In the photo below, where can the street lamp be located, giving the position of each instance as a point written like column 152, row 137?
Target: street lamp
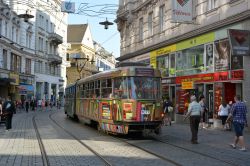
column 80, row 67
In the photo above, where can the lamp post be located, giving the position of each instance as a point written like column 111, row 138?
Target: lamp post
column 80, row 67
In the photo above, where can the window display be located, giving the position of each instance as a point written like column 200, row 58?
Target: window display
column 222, row 53
column 163, row 65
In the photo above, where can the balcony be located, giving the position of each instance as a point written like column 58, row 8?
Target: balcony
column 55, row 59
column 55, row 38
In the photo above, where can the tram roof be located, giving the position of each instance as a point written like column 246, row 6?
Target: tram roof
column 121, row 71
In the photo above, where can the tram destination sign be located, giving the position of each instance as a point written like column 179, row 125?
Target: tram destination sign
column 144, row 72
column 239, row 42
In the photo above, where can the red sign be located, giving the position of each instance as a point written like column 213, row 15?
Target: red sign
column 196, row 78
column 237, row 75
column 221, row 76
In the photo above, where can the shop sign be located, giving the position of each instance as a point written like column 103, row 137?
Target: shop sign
column 14, row 77
column 239, row 42
column 4, row 75
column 187, row 85
column 199, row 40
column 182, row 11
column 26, row 79
column 221, row 76
column 196, row 78
column 237, row 75
column 168, row 81
column 161, row 51
column 144, row 72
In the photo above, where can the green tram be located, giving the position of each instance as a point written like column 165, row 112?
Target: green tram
column 121, row 100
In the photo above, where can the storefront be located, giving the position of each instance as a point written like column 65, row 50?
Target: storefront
column 203, row 65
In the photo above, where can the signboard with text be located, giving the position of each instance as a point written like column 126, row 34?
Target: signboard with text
column 182, row 11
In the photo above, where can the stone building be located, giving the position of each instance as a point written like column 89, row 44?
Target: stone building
column 194, row 57
column 45, row 37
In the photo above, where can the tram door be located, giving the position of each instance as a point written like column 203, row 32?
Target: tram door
column 210, row 101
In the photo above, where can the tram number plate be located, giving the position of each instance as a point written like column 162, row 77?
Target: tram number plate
column 145, row 112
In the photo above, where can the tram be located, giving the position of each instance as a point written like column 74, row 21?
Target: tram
column 120, row 100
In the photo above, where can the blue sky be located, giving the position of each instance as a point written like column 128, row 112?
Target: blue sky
column 109, row 38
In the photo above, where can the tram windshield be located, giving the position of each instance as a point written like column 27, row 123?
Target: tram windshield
column 137, row 88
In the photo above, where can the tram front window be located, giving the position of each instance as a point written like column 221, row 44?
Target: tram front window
column 144, row 88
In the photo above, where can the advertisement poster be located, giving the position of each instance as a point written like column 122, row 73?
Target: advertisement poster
column 209, row 58
column 222, row 55
column 236, row 62
column 106, row 113
column 182, row 10
column 239, row 42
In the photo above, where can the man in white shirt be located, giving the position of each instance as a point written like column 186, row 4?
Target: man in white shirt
column 194, row 112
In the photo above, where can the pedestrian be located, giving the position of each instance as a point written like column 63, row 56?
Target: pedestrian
column 204, row 111
column 168, row 109
column 194, row 112
column 9, row 109
column 223, row 112
column 238, row 112
column 27, row 105
column 40, row 104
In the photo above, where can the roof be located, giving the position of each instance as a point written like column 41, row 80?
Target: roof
column 76, row 32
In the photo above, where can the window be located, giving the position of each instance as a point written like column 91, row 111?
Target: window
column 47, row 25
column 163, row 65
column 17, row 35
column 12, row 33
column 6, row 29
column 15, row 63
column 40, row 40
column 4, row 63
column 150, row 24
column 106, row 88
column 212, row 4
column 1, row 26
column 46, row 45
column 141, row 29
column 161, row 18
column 28, row 66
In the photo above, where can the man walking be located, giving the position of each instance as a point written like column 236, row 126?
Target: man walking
column 238, row 112
column 8, row 109
column 195, row 112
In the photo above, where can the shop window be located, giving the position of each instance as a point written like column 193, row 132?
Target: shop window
column 163, row 65
column 236, row 62
column 222, row 54
column 172, row 65
column 190, row 61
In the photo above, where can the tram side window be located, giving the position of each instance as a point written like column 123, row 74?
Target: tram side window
column 92, row 90
column 85, row 90
column 97, row 88
column 121, row 88
column 106, row 89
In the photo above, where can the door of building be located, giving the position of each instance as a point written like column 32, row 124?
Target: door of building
column 209, row 101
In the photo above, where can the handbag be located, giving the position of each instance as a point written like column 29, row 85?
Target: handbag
column 170, row 109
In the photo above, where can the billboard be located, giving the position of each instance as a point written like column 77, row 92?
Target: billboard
column 182, row 10
column 68, row 7
column 239, row 42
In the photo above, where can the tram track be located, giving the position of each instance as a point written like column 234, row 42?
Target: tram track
column 45, row 158
column 78, row 140
column 150, row 152
column 196, row 152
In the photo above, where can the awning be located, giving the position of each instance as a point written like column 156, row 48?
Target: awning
column 26, row 87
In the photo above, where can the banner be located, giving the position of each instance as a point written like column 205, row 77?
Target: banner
column 182, row 10
column 239, row 42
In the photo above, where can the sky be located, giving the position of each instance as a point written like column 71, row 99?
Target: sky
column 108, row 38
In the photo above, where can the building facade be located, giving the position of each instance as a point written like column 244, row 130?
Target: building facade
column 80, row 53
column 46, row 36
column 104, row 59
column 17, row 77
column 194, row 58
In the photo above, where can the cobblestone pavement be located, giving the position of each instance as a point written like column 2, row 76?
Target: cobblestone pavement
column 19, row 146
